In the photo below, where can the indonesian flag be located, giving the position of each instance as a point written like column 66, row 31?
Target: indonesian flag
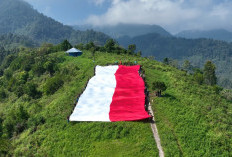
column 115, row 93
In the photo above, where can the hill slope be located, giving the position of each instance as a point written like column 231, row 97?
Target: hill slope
column 217, row 34
column 18, row 17
column 193, row 120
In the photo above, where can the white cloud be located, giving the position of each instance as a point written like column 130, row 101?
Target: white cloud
column 175, row 15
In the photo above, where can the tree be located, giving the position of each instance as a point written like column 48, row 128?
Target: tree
column 65, row 45
column 174, row 63
column 166, row 61
column 209, row 73
column 159, row 86
column 90, row 45
column 80, row 46
column 1, row 128
column 110, row 45
column 139, row 53
column 50, row 66
column 198, row 76
column 3, row 94
column 31, row 90
column 186, row 65
column 52, row 85
column 131, row 48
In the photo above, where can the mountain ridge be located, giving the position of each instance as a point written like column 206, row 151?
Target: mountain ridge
column 131, row 30
column 216, row 34
column 19, row 17
column 197, row 51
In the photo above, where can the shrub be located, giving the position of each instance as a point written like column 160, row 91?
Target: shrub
column 15, row 121
column 159, row 86
column 1, row 130
column 198, row 77
column 226, row 93
column 3, row 94
column 52, row 85
column 31, row 90
column 38, row 68
column 35, row 121
column 217, row 89
column 50, row 66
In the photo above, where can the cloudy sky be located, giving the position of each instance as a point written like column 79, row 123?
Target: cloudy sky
column 173, row 15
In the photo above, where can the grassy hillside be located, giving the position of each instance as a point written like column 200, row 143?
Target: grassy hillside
column 46, row 131
column 38, row 90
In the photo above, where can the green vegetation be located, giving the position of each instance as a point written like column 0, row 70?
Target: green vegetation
column 39, row 88
column 159, row 87
column 18, row 17
column 193, row 119
column 196, row 51
column 209, row 73
column 34, row 121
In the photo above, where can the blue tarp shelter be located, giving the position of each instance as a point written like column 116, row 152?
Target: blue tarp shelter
column 74, row 52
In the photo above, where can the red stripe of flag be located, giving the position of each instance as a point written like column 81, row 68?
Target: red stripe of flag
column 129, row 98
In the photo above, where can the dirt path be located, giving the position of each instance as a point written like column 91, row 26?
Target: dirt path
column 155, row 133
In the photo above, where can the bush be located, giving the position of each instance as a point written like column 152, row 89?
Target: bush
column 3, row 94
column 15, row 121
column 38, row 68
column 217, row 89
column 198, row 77
column 226, row 93
column 50, row 67
column 31, row 90
column 1, row 129
column 35, row 121
column 159, row 86
column 52, row 85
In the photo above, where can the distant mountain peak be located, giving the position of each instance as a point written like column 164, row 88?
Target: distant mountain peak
column 130, row 30
column 19, row 17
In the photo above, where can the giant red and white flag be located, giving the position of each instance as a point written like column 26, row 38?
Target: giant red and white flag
column 115, row 93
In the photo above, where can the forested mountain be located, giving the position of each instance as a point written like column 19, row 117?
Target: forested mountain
column 18, row 17
column 197, row 51
column 10, row 43
column 217, row 34
column 39, row 87
column 130, row 30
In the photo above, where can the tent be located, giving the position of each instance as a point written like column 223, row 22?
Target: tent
column 74, row 52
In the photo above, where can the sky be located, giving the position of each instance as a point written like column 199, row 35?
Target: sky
column 172, row 15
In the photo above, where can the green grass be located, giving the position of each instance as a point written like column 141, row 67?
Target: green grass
column 56, row 137
column 192, row 119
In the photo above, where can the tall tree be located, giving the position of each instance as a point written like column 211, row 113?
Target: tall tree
column 209, row 73
column 110, row 45
column 166, row 61
column 186, row 65
column 65, row 45
column 131, row 49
